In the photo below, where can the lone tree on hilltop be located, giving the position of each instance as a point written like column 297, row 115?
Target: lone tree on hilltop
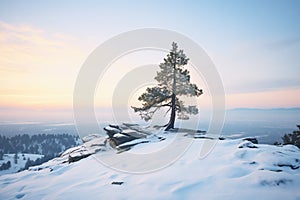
column 173, row 82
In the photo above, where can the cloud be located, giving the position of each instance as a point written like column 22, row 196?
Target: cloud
column 24, row 34
column 24, row 46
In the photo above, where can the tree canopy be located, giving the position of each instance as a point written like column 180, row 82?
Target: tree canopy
column 173, row 82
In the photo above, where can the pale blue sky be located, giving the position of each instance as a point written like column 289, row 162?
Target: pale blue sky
column 257, row 39
column 238, row 19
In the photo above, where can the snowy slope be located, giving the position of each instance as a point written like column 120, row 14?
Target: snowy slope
column 235, row 169
column 21, row 161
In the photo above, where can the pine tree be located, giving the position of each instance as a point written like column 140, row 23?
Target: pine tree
column 173, row 81
column 8, row 165
column 292, row 138
column 16, row 158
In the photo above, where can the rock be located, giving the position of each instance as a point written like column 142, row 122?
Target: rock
column 129, row 124
column 200, row 131
column 111, row 131
column 276, row 182
column 253, row 163
column 120, row 135
column 115, row 126
column 119, row 139
column 117, row 182
column 134, row 134
column 253, row 140
column 203, row 137
column 247, row 144
column 77, row 158
column 293, row 167
column 92, row 144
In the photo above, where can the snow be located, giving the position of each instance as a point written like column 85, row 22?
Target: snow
column 233, row 170
column 114, row 130
column 21, row 161
column 119, row 135
column 93, row 144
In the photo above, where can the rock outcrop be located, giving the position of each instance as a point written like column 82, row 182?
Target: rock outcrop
column 119, row 135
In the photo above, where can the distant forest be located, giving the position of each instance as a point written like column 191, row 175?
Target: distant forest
column 48, row 145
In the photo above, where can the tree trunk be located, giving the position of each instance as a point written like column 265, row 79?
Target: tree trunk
column 173, row 113
column 173, row 101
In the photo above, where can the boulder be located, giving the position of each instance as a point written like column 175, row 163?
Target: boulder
column 119, row 135
column 247, row 144
column 111, row 131
column 253, row 140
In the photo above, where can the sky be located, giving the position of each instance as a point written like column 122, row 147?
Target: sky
column 254, row 45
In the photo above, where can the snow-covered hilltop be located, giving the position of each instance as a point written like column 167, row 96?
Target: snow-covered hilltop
column 235, row 169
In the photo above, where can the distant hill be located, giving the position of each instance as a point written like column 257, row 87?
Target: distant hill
column 291, row 116
column 266, row 109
